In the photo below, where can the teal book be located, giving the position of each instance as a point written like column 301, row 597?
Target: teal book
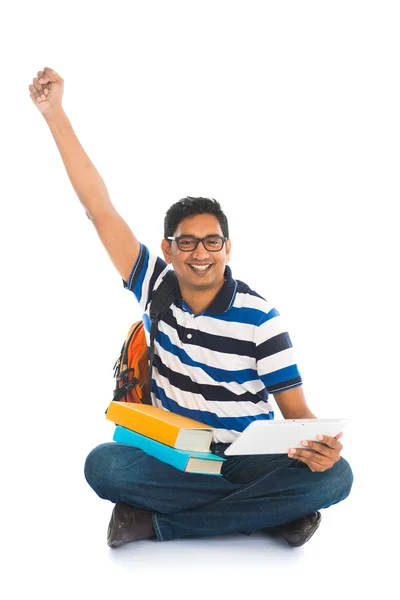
column 206, row 463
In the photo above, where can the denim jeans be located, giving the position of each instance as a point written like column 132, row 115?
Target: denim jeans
column 255, row 492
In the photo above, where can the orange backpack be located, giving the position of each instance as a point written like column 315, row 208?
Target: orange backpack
column 134, row 364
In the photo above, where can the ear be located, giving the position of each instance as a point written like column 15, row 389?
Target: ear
column 166, row 249
column 228, row 249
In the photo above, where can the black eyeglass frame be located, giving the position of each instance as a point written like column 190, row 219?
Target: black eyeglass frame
column 198, row 240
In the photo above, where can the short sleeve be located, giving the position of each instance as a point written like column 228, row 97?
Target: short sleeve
column 276, row 365
column 146, row 274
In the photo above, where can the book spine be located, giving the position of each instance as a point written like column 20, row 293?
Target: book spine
column 152, row 447
column 143, row 423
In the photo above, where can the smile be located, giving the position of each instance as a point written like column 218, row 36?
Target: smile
column 200, row 268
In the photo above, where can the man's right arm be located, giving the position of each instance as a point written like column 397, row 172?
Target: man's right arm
column 116, row 236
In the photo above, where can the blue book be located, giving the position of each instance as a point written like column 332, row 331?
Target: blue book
column 184, row 460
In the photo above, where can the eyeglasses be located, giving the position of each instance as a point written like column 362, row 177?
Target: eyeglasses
column 188, row 243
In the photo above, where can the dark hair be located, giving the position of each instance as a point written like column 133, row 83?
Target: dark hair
column 189, row 207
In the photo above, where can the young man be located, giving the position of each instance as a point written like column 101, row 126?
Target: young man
column 219, row 352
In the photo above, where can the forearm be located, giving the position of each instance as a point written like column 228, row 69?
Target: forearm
column 86, row 181
column 292, row 404
column 307, row 414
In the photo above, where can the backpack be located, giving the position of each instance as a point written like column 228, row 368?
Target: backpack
column 134, row 365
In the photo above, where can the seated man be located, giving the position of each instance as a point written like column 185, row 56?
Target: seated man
column 220, row 351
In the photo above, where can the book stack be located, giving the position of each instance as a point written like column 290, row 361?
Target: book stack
column 176, row 440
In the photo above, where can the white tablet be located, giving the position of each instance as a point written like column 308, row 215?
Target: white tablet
column 276, row 437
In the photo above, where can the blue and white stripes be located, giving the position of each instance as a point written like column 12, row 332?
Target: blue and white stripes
column 220, row 366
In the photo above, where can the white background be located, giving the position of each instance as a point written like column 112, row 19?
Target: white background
column 288, row 114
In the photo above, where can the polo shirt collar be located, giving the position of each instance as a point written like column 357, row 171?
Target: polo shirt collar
column 223, row 300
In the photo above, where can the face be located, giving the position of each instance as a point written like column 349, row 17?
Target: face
column 184, row 263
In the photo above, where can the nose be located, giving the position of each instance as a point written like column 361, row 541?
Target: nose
column 200, row 253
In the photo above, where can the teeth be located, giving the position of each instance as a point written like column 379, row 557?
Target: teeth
column 200, row 267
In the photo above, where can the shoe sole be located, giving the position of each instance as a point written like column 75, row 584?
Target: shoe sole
column 111, row 531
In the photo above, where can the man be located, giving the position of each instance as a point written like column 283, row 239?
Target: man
column 219, row 352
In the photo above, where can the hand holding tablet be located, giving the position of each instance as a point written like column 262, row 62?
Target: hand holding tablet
column 278, row 437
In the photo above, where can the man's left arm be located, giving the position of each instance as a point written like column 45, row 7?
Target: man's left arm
column 318, row 456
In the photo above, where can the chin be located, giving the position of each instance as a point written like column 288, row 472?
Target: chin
column 201, row 285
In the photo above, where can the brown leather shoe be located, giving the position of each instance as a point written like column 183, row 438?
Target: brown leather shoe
column 129, row 524
column 299, row 532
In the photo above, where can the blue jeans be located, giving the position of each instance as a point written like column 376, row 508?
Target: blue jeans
column 255, row 492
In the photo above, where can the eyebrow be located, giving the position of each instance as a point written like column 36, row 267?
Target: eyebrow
column 198, row 236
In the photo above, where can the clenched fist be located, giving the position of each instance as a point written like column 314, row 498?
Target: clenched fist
column 47, row 90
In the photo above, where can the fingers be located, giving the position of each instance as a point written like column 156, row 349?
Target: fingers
column 40, row 75
column 46, row 90
column 314, row 465
column 314, row 460
column 49, row 75
column 318, row 456
column 41, row 85
column 36, row 95
column 323, row 448
column 312, row 455
column 39, row 89
column 332, row 442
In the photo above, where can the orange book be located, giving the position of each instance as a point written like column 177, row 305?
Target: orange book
column 159, row 424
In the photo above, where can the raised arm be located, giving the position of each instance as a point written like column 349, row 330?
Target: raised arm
column 119, row 241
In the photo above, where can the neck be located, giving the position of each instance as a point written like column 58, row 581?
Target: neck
column 199, row 300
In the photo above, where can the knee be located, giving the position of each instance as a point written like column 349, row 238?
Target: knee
column 346, row 476
column 107, row 466
column 341, row 480
column 98, row 463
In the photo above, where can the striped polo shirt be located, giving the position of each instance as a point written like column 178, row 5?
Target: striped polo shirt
column 220, row 366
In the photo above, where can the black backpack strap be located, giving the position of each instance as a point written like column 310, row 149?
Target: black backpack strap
column 163, row 297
